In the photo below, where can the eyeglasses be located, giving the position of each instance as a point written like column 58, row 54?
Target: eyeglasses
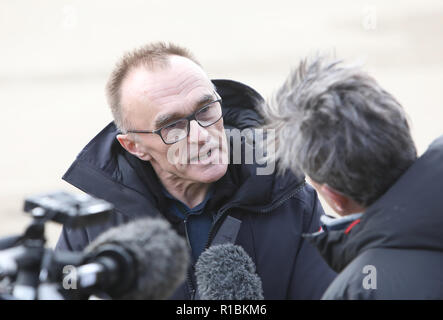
column 178, row 130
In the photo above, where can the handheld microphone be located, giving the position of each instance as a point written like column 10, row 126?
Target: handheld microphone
column 226, row 272
column 144, row 259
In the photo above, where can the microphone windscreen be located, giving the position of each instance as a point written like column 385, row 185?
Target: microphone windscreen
column 161, row 256
column 226, row 272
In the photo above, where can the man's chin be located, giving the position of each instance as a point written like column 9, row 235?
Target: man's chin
column 208, row 173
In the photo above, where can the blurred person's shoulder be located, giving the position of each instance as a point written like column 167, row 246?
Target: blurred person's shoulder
column 389, row 273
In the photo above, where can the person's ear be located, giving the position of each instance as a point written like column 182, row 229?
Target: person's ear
column 133, row 147
column 336, row 200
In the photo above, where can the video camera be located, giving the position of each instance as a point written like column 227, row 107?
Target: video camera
column 29, row 270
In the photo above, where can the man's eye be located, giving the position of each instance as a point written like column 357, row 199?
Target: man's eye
column 204, row 110
column 181, row 124
column 172, row 126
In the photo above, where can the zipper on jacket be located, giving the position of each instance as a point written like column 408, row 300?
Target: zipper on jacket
column 280, row 202
column 186, row 233
column 189, row 275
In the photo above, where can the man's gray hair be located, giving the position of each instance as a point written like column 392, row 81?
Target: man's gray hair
column 338, row 126
column 151, row 55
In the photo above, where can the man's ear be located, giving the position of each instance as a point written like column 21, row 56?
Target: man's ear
column 333, row 198
column 133, row 147
column 338, row 201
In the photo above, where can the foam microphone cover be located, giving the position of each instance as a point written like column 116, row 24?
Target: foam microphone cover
column 227, row 272
column 161, row 256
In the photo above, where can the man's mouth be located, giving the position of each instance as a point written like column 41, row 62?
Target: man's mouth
column 202, row 157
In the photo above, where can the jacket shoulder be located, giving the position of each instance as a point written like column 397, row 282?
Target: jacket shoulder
column 351, row 284
column 390, row 273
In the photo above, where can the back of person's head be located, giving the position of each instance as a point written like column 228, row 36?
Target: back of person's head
column 338, row 126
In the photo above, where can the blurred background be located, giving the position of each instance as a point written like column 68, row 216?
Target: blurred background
column 56, row 56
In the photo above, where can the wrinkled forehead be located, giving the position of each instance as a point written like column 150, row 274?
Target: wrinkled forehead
column 147, row 94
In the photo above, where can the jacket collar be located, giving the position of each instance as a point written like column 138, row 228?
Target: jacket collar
column 329, row 223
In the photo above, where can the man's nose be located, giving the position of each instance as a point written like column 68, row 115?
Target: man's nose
column 197, row 134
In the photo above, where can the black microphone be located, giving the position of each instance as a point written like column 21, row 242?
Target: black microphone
column 144, row 259
column 226, row 272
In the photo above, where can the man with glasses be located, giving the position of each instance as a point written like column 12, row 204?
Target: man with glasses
column 167, row 153
column 358, row 151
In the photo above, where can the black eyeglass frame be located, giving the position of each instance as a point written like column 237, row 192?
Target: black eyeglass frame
column 188, row 118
